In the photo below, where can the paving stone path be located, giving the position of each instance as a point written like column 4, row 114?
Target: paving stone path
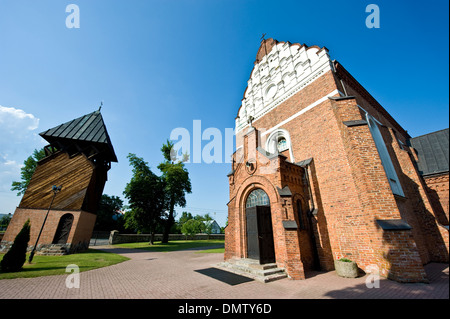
column 191, row 275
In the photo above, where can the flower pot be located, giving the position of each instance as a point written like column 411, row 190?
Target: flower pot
column 347, row 269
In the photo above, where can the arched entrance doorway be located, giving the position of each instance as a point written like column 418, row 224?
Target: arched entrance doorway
column 259, row 230
column 63, row 230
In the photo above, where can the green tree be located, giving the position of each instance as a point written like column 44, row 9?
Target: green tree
column 207, row 221
column 202, row 224
column 177, row 184
column 222, row 229
column 192, row 227
column 26, row 172
column 16, row 255
column 129, row 221
column 146, row 197
column 207, row 217
column 108, row 213
column 4, row 221
column 185, row 216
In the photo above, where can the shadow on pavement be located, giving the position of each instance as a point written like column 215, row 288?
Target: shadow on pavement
column 224, row 276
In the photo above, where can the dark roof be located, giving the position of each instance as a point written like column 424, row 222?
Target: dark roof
column 305, row 162
column 285, row 191
column 87, row 129
column 393, row 224
column 432, row 151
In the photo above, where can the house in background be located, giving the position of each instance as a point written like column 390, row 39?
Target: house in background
column 215, row 228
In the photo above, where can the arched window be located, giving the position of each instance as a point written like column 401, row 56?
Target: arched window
column 279, row 141
column 386, row 160
column 258, row 197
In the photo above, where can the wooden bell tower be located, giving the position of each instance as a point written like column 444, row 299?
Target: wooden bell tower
column 78, row 158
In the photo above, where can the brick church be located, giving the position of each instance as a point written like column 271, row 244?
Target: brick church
column 322, row 171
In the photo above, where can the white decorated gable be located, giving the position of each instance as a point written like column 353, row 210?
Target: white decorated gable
column 282, row 72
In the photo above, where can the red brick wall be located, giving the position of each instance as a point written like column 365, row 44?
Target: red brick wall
column 349, row 186
column 81, row 231
column 438, row 192
column 268, row 175
column 416, row 207
column 437, row 188
column 375, row 246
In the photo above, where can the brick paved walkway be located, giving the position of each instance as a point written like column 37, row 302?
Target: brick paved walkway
column 175, row 275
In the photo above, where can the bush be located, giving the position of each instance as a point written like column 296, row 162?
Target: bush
column 345, row 260
column 192, row 227
column 16, row 256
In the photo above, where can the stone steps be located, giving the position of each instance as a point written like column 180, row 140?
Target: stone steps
column 54, row 250
column 252, row 269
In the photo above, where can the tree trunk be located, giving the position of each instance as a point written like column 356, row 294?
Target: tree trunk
column 152, row 237
column 169, row 223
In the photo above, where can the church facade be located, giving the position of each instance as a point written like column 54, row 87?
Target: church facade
column 322, row 171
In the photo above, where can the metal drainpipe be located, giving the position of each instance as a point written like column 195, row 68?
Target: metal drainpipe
column 309, row 188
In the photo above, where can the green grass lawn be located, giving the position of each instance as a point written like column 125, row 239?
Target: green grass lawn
column 212, row 251
column 92, row 258
column 56, row 265
column 217, row 246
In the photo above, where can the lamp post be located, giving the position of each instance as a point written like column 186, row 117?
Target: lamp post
column 55, row 189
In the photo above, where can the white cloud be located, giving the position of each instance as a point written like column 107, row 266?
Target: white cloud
column 18, row 139
column 12, row 119
column 17, row 131
column 9, row 171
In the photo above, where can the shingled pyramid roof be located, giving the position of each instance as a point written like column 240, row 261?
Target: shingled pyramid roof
column 432, row 151
column 89, row 129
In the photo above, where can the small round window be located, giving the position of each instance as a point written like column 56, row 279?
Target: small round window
column 271, row 91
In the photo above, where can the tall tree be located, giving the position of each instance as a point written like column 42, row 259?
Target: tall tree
column 16, row 255
column 145, row 194
column 27, row 170
column 177, row 184
column 185, row 216
column 108, row 212
column 4, row 221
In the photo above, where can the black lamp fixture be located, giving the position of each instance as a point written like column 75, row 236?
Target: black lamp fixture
column 55, row 189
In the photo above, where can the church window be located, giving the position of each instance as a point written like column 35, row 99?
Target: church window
column 282, row 144
column 385, row 157
column 258, row 197
column 278, row 141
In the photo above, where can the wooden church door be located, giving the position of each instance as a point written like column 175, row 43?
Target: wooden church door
column 252, row 233
column 63, row 230
column 259, row 231
column 265, row 235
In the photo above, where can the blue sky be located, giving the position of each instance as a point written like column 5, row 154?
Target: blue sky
column 159, row 65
